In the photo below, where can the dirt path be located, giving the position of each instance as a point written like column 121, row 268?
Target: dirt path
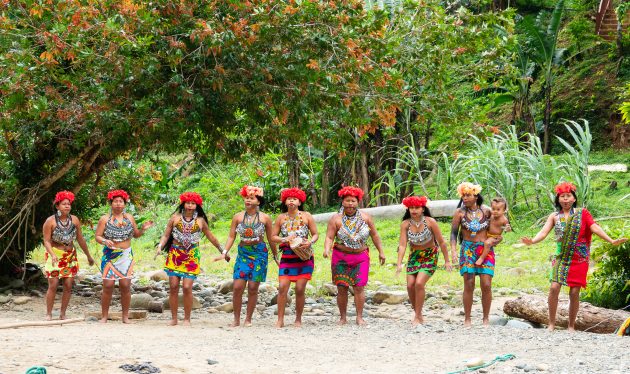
column 388, row 345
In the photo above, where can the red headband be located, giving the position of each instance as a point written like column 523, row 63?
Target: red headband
column 292, row 192
column 413, row 201
column 565, row 187
column 118, row 193
column 191, row 196
column 64, row 195
column 351, row 191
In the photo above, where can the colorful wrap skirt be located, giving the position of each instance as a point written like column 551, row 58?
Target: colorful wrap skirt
column 468, row 255
column 66, row 266
column 570, row 269
column 182, row 262
column 423, row 260
column 350, row 269
column 292, row 267
column 251, row 262
column 117, row 263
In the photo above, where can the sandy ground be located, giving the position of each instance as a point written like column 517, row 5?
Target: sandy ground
column 387, row 345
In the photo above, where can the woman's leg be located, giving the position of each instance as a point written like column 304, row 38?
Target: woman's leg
column 173, row 298
column 125, row 298
column 65, row 297
column 106, row 298
column 53, row 283
column 283, row 291
column 188, row 299
column 552, row 301
column 300, row 297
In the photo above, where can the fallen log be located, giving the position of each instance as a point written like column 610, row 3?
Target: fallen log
column 40, row 323
column 590, row 318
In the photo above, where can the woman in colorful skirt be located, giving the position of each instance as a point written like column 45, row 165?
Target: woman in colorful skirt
column 470, row 225
column 346, row 236
column 181, row 240
column 291, row 230
column 574, row 229
column 422, row 233
column 250, row 267
column 60, row 232
column 115, row 231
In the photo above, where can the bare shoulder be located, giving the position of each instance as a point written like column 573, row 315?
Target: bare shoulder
column 431, row 220
column 75, row 220
column 366, row 217
column 50, row 220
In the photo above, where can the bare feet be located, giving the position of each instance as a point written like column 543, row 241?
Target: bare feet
column 172, row 322
column 467, row 323
column 342, row 321
column 297, row 324
column 571, row 329
column 48, row 317
column 417, row 321
column 235, row 324
column 551, row 327
column 103, row 320
column 486, row 322
column 361, row 321
column 279, row 324
column 62, row 316
column 126, row 320
column 247, row 323
column 186, row 322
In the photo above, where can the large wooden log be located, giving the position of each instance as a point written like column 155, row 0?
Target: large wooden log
column 590, row 318
column 117, row 316
column 439, row 208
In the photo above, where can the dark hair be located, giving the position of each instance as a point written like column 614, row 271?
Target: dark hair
column 425, row 212
column 500, row 200
column 261, row 201
column 284, row 208
column 479, row 201
column 556, row 201
column 180, row 210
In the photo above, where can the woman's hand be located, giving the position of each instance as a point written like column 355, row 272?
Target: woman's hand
column 381, row 258
column 619, row 241
column 90, row 260
column 399, row 269
column 108, row 243
column 147, row 225
column 527, row 241
column 448, row 267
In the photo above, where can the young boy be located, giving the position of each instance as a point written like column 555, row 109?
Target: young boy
column 498, row 223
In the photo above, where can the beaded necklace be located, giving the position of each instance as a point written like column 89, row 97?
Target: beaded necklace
column 250, row 228
column 294, row 225
column 354, row 231
column 561, row 223
column 187, row 232
column 118, row 231
column 474, row 220
column 64, row 233
column 420, row 237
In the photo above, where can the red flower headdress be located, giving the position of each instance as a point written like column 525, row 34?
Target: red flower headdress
column 118, row 193
column 63, row 195
column 565, row 187
column 351, row 191
column 292, row 192
column 191, row 196
column 251, row 190
column 412, row 201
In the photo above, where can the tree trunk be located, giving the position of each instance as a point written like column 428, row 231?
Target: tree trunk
column 364, row 181
column 590, row 318
column 547, row 119
column 293, row 164
column 324, row 196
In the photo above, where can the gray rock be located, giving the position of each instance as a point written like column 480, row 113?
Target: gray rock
column 390, row 297
column 498, row 321
column 328, row 289
column 519, row 324
column 196, row 302
column 226, row 286
column 16, row 283
column 542, row 367
column 212, row 362
column 20, row 300
column 517, row 272
column 309, row 301
column 274, row 300
column 158, row 275
column 158, row 294
column 37, row 293
column 141, row 301
column 4, row 299
column 227, row 307
column 141, row 287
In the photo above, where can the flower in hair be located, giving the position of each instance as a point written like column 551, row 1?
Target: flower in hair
column 565, row 187
column 413, row 201
column 251, row 191
column 351, row 191
column 63, row 195
column 466, row 188
column 191, row 196
column 293, row 192
column 118, row 193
